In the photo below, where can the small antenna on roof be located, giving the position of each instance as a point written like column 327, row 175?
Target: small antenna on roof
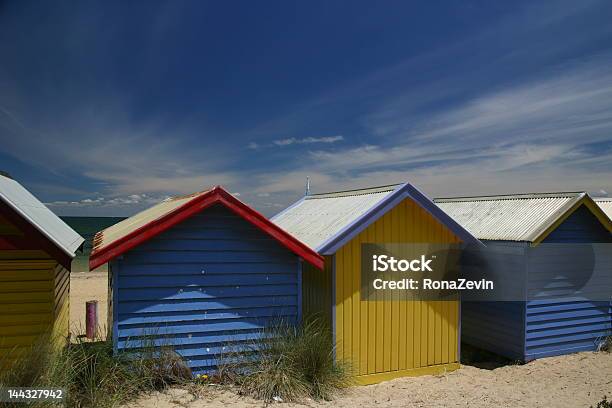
column 307, row 185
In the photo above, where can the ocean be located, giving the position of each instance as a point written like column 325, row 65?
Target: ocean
column 87, row 228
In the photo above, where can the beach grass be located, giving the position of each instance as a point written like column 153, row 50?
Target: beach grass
column 293, row 363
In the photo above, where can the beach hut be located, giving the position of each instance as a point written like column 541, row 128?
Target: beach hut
column 202, row 273
column 555, row 248
column 36, row 249
column 605, row 203
column 380, row 338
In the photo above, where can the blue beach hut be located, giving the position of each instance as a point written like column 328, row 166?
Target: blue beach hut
column 555, row 247
column 199, row 273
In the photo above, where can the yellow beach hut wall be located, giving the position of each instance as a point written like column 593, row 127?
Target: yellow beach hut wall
column 34, row 274
column 386, row 338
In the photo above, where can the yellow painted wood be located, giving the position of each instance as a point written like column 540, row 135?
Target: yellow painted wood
column 25, row 319
column 386, row 338
column 24, row 329
column 387, row 317
column 371, row 316
column 7, row 343
column 23, row 255
column 380, row 316
column 27, row 286
column 414, row 372
column 34, row 301
column 24, row 308
column 19, row 275
column 26, row 297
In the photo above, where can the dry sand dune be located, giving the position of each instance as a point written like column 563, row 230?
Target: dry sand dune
column 573, row 381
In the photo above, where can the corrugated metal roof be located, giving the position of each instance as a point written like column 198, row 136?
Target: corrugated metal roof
column 328, row 221
column 517, row 217
column 605, row 204
column 39, row 216
column 318, row 217
column 127, row 226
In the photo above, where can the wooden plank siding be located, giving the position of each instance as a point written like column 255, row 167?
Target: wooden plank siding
column 386, row 338
column 548, row 322
column 498, row 326
column 34, row 293
column 554, row 325
column 206, row 286
column 317, row 292
column 26, row 299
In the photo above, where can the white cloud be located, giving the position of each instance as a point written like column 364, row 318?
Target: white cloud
column 308, row 140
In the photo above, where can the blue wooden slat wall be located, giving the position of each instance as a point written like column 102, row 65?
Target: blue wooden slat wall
column 556, row 325
column 497, row 326
column 208, row 285
column 550, row 323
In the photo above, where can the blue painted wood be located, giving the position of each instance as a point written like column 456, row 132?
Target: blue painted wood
column 194, row 305
column 556, row 270
column 195, row 340
column 114, row 271
column 211, row 268
column 553, row 320
column 211, row 282
column 581, row 226
column 212, row 292
column 170, row 317
column 299, row 290
column 496, row 326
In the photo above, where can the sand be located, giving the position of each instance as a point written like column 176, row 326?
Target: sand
column 572, row 381
column 86, row 286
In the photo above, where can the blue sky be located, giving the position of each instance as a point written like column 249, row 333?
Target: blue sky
column 108, row 108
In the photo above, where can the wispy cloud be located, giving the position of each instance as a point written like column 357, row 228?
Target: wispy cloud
column 298, row 141
column 308, row 140
column 130, row 201
column 521, row 105
column 546, row 133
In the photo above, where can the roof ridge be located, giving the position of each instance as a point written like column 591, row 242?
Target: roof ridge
column 183, row 196
column 141, row 230
column 524, row 196
column 357, row 191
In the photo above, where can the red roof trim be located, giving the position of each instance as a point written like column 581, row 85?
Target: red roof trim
column 100, row 256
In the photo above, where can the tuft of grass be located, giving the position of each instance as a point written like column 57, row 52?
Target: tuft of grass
column 287, row 363
column 90, row 373
column 606, row 345
column 604, row 403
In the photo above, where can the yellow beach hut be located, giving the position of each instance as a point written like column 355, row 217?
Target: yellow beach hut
column 36, row 249
column 381, row 339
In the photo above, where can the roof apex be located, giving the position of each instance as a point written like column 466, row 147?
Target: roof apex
column 147, row 224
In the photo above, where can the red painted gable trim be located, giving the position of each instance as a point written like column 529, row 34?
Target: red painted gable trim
column 100, row 256
column 33, row 239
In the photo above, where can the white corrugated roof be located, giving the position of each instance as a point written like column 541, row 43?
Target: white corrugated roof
column 125, row 227
column 518, row 217
column 318, row 217
column 605, row 204
column 37, row 214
